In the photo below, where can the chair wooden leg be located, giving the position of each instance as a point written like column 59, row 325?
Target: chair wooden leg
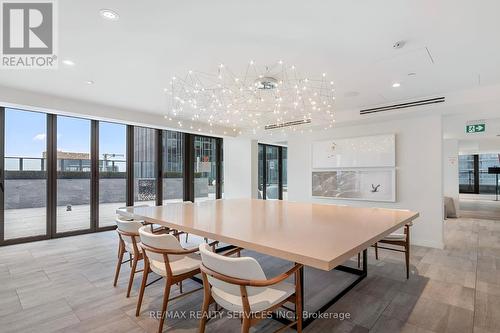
column 166, row 295
column 298, row 300
column 245, row 325
column 407, row 259
column 132, row 274
column 180, row 287
column 206, row 304
column 187, row 235
column 145, row 274
column 376, row 251
column 407, row 251
column 118, row 264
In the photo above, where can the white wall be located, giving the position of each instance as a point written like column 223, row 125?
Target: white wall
column 419, row 170
column 239, row 165
column 450, row 170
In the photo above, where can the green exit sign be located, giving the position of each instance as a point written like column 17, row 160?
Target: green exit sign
column 476, row 128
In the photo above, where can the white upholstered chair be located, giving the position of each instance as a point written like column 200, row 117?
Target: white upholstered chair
column 164, row 255
column 128, row 232
column 240, row 285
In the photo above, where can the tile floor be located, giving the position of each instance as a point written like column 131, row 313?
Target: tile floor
column 65, row 285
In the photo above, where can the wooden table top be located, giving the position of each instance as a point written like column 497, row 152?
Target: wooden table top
column 316, row 235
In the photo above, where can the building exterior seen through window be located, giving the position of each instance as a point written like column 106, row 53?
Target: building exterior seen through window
column 473, row 173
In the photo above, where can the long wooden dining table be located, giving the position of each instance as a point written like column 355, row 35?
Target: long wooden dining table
column 320, row 236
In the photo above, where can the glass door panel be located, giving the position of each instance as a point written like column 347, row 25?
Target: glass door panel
column 260, row 190
column 205, row 168
column 73, row 174
column 284, row 167
column 144, row 166
column 466, row 173
column 173, row 166
column 112, row 171
column 25, row 175
column 272, row 173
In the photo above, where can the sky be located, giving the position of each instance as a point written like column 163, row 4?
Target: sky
column 25, row 135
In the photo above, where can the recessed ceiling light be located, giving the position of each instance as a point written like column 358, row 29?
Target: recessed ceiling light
column 110, row 15
column 90, row 82
column 68, row 63
column 396, row 85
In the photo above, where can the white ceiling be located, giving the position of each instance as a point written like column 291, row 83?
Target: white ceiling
column 450, row 44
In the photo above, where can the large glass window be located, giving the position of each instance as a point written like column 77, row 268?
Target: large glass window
column 473, row 173
column 173, row 166
column 25, row 185
column 112, row 171
column 144, row 166
column 56, row 182
column 487, row 181
column 205, row 168
column 73, row 174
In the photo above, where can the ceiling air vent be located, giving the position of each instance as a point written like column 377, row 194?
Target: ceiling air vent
column 403, row 105
column 288, row 123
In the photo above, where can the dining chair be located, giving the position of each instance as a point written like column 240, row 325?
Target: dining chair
column 239, row 285
column 396, row 239
column 164, row 255
column 128, row 233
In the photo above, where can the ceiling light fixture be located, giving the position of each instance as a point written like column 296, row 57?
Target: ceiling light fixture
column 110, row 15
column 90, row 82
column 68, row 62
column 396, row 85
column 266, row 83
column 262, row 94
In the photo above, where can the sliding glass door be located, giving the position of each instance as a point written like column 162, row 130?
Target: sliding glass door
column 112, row 171
column 272, row 172
column 25, row 174
column 73, row 174
column 205, row 168
column 173, row 166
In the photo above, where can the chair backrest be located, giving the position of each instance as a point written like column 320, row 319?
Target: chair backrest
column 243, row 268
column 129, row 226
column 162, row 242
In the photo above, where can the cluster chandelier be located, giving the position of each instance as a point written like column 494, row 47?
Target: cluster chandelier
column 259, row 98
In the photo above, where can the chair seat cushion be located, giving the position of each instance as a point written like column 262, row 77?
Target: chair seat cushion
column 395, row 237
column 187, row 264
column 262, row 301
column 130, row 248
